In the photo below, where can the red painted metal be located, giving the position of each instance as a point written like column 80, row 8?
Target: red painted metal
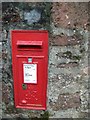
column 30, row 52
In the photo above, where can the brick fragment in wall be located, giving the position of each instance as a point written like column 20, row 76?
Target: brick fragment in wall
column 83, row 115
column 66, row 65
column 62, row 86
column 68, row 114
column 66, row 101
column 70, row 14
column 0, row 9
column 0, row 19
column 0, row 34
column 23, row 0
column 0, row 60
column 0, row 93
column 85, row 71
column 5, row 93
column 65, row 40
column 0, row 49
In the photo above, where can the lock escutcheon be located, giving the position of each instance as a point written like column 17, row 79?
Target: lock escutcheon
column 24, row 86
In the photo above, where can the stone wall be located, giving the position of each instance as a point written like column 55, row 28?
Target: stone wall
column 67, row 24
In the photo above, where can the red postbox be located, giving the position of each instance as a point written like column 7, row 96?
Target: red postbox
column 30, row 68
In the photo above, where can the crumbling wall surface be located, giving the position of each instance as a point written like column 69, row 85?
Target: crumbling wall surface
column 0, row 65
column 67, row 24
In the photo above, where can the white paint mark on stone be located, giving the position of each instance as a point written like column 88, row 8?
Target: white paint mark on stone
column 32, row 16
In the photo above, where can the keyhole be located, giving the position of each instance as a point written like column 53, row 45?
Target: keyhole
column 24, row 86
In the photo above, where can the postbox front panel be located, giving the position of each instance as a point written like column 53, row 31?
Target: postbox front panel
column 30, row 66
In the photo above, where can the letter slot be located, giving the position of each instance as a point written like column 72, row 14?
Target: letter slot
column 29, row 44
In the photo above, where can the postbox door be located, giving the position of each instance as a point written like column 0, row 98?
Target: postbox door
column 30, row 77
column 31, row 93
